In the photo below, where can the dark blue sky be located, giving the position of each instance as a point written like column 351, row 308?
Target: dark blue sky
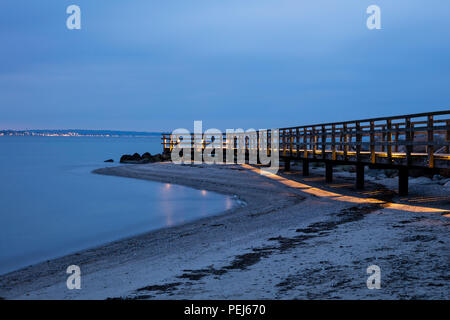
column 158, row 65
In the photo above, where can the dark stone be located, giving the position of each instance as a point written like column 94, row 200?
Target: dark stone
column 157, row 158
column 109, row 160
column 147, row 155
column 146, row 158
column 390, row 173
column 136, row 157
column 126, row 158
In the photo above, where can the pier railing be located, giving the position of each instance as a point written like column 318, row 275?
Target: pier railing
column 409, row 140
column 413, row 140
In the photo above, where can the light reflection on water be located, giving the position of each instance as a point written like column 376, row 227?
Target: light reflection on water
column 51, row 203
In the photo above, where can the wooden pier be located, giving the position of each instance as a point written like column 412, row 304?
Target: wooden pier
column 406, row 142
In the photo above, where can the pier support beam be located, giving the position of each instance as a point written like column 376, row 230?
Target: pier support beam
column 359, row 176
column 328, row 172
column 287, row 165
column 403, row 181
column 305, row 168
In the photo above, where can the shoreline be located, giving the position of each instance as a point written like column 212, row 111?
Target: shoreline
column 237, row 253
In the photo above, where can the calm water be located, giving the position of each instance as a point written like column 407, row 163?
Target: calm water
column 51, row 204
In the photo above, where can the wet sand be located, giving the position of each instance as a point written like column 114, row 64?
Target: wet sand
column 281, row 242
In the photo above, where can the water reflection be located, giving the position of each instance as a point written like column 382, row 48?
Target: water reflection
column 49, row 182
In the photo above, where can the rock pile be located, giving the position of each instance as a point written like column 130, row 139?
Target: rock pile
column 145, row 158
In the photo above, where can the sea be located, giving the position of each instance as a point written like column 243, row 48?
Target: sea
column 51, row 204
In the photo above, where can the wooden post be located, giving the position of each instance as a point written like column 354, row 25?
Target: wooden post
column 165, row 143
column 409, row 140
column 389, row 140
column 396, row 126
column 359, row 176
column 345, row 140
column 372, row 142
column 403, row 181
column 447, row 137
column 333, row 142
column 430, row 146
column 350, row 138
column 328, row 171
column 305, row 140
column 287, row 164
column 358, row 141
column 324, row 140
column 305, row 167
column 291, row 142
column 313, row 137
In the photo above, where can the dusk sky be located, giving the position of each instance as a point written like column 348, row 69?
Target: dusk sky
column 159, row 65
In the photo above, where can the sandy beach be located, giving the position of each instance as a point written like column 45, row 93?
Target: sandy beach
column 287, row 237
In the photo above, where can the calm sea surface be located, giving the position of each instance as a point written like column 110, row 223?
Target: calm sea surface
column 51, row 204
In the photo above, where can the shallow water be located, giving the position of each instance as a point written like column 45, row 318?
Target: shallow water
column 51, row 204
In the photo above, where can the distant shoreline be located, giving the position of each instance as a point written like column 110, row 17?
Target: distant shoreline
column 79, row 133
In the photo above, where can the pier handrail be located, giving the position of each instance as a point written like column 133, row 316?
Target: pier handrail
column 411, row 140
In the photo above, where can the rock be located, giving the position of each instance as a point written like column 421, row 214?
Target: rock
column 147, row 155
column 418, row 172
column 390, row 173
column 372, row 172
column 135, row 158
column 145, row 158
column 109, row 160
column 421, row 180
